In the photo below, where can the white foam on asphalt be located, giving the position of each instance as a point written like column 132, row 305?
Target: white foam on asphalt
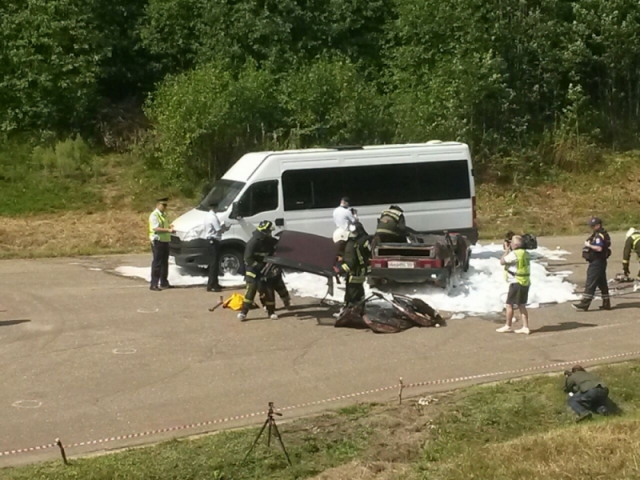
column 481, row 290
column 181, row 277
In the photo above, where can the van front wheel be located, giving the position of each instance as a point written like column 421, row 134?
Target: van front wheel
column 231, row 262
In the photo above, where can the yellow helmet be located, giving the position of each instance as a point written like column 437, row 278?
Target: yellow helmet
column 266, row 226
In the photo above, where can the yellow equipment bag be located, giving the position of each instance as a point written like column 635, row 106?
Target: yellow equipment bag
column 234, row 302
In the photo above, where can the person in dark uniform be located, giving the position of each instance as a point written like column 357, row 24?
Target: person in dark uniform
column 631, row 244
column 274, row 280
column 596, row 251
column 355, row 264
column 160, row 231
column 589, row 392
column 391, row 226
column 258, row 247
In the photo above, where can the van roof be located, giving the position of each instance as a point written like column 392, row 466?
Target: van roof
column 248, row 163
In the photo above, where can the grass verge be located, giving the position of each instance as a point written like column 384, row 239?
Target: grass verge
column 518, row 429
column 564, row 204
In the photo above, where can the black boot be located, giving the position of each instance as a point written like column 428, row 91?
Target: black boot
column 582, row 305
column 606, row 304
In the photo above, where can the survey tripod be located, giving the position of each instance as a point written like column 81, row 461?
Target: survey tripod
column 273, row 430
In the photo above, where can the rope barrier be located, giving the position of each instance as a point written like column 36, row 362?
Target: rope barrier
column 261, row 414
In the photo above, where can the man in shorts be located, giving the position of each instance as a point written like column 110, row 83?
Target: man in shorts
column 517, row 263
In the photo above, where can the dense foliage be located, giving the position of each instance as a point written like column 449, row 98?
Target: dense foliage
column 530, row 84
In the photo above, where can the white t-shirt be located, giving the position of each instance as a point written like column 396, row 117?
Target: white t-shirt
column 511, row 262
column 212, row 227
column 343, row 217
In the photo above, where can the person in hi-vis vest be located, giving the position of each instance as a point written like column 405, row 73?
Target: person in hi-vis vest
column 517, row 263
column 160, row 231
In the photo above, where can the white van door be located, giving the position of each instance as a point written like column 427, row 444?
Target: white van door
column 260, row 201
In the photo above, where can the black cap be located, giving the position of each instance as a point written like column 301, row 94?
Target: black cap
column 595, row 221
column 345, row 199
column 162, row 200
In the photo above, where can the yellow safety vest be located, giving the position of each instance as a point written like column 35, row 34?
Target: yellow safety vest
column 164, row 223
column 523, row 268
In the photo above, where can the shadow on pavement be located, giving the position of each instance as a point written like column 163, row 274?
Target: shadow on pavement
column 622, row 306
column 563, row 326
column 8, row 323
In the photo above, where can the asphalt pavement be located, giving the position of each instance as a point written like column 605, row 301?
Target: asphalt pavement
column 88, row 355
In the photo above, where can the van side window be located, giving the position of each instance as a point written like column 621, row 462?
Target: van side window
column 376, row 184
column 259, row 197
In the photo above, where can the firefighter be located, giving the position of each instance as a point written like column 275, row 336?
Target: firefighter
column 391, row 226
column 631, row 244
column 273, row 283
column 596, row 251
column 259, row 246
column 355, row 264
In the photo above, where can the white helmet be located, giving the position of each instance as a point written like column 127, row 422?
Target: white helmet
column 630, row 232
column 340, row 235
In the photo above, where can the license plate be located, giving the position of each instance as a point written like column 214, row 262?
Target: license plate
column 402, row 265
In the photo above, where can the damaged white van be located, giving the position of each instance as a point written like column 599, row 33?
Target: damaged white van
column 299, row 189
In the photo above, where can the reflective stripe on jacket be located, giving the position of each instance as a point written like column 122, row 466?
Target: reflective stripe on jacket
column 164, row 223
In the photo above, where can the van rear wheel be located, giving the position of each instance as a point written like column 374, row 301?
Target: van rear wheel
column 231, row 261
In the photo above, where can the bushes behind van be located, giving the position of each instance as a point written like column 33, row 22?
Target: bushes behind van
column 207, row 118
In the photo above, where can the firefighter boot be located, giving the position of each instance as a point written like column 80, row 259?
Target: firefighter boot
column 606, row 304
column 582, row 305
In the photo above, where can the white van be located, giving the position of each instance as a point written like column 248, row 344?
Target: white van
column 299, row 189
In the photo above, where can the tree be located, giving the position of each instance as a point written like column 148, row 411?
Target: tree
column 49, row 65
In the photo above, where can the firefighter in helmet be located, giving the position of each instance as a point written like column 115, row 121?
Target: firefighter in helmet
column 260, row 245
column 355, row 264
column 391, row 226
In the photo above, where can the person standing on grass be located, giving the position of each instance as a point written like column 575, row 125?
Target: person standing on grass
column 160, row 231
column 213, row 230
column 517, row 263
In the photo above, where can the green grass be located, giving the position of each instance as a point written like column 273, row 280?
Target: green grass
column 518, row 429
column 71, row 176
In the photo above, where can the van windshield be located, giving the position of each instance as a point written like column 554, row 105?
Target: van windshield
column 223, row 193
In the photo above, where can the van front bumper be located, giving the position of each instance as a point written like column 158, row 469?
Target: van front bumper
column 189, row 254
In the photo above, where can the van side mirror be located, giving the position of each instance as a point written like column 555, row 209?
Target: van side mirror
column 235, row 211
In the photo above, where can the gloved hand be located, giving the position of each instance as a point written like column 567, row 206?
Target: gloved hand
column 625, row 269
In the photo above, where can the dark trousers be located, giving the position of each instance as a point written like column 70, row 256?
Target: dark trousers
column 588, row 401
column 160, row 263
column 276, row 285
column 214, row 267
column 250, row 291
column 354, row 293
column 596, row 279
column 268, row 295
